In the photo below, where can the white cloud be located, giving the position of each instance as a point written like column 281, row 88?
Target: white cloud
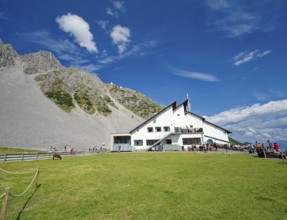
column 141, row 49
column 121, row 37
column 197, row 75
column 244, row 57
column 112, row 12
column 236, row 18
column 257, row 122
column 119, row 5
column 79, row 29
column 103, row 24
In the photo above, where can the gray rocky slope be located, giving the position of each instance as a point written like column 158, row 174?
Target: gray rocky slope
column 32, row 114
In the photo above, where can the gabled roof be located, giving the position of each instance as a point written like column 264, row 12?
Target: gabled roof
column 203, row 119
column 173, row 105
column 184, row 103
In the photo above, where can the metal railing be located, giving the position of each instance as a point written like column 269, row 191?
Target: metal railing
column 35, row 156
column 188, row 130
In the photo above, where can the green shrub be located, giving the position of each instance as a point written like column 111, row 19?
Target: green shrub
column 63, row 99
column 84, row 102
column 103, row 108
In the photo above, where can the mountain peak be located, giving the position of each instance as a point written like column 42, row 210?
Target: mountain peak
column 40, row 62
column 7, row 55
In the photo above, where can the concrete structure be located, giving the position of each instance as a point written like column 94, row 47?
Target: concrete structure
column 173, row 128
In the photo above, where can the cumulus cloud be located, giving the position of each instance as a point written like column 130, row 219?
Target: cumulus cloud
column 245, row 56
column 121, row 37
column 79, row 29
column 257, row 122
column 237, row 18
column 197, row 75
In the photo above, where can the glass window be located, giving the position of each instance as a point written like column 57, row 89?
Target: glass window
column 138, row 142
column 166, row 129
column 191, row 141
column 150, row 142
column 150, row 129
column 158, row 129
column 168, row 141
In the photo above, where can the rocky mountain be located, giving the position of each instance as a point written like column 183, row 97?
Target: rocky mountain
column 45, row 104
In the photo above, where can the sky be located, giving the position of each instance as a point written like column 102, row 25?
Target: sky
column 228, row 56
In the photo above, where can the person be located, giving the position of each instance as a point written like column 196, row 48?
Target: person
column 270, row 146
column 276, row 147
column 258, row 147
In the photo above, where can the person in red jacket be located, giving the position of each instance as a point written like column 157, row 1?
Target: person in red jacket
column 276, row 147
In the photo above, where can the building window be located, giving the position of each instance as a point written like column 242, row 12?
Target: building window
column 150, row 142
column 191, row 141
column 122, row 139
column 158, row 129
column 150, row 129
column 166, row 129
column 138, row 142
column 168, row 141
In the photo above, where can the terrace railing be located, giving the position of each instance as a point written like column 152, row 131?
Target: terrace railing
column 188, row 130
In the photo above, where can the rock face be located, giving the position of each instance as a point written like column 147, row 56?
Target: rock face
column 7, row 55
column 45, row 104
column 40, row 62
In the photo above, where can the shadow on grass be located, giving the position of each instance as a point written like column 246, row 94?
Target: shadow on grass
column 30, row 197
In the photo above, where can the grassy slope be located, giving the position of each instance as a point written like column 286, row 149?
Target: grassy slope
column 151, row 186
column 10, row 150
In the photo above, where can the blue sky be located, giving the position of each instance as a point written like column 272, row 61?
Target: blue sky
column 228, row 55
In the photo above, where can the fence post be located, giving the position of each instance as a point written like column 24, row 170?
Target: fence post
column 4, row 204
column 37, row 177
column 5, row 157
column 22, row 156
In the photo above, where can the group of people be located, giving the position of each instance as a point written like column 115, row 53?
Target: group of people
column 268, row 148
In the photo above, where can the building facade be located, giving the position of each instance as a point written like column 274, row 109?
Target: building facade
column 173, row 128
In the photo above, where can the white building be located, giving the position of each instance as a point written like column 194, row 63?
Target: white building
column 172, row 128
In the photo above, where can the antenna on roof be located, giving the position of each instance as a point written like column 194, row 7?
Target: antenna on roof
column 188, row 107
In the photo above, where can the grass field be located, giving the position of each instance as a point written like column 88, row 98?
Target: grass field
column 10, row 150
column 150, row 186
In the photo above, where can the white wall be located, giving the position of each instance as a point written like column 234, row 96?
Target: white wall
column 213, row 131
column 165, row 118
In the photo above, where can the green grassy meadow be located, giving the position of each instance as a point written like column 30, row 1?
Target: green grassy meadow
column 10, row 150
column 149, row 186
